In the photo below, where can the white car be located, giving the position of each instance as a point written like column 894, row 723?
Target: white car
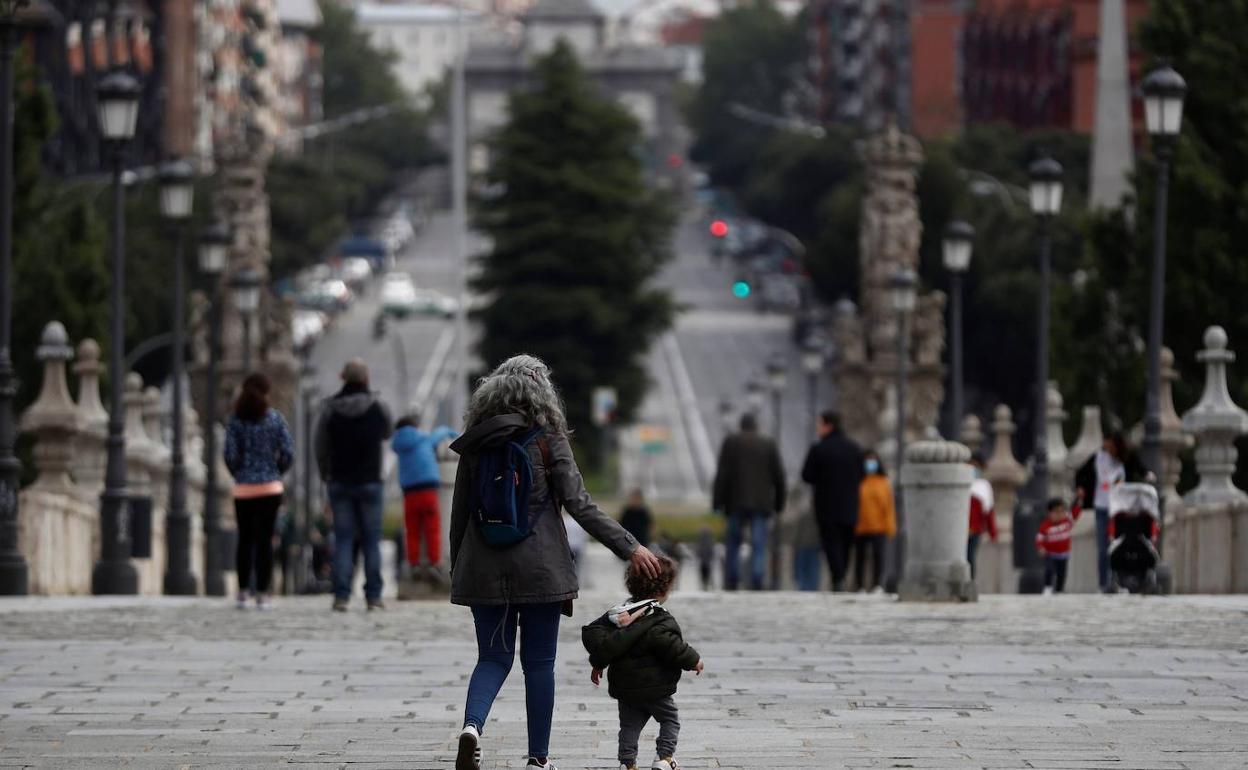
column 356, row 271
column 306, row 327
column 433, row 302
column 399, row 295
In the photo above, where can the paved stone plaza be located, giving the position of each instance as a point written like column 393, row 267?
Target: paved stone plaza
column 811, row 681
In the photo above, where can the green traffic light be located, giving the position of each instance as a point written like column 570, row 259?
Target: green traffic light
column 741, row 289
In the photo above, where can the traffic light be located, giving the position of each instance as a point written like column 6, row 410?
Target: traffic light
column 741, row 288
column 719, row 228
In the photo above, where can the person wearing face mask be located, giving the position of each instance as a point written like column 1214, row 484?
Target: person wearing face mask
column 983, row 515
column 877, row 522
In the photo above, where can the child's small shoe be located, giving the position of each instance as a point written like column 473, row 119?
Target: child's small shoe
column 628, row 767
column 664, row 763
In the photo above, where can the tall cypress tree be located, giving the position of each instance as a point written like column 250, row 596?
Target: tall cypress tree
column 577, row 239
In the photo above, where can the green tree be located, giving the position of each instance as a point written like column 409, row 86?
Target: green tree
column 577, row 239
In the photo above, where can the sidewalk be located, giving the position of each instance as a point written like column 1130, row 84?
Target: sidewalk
column 810, row 681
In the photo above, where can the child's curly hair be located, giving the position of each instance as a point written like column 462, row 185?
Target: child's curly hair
column 640, row 586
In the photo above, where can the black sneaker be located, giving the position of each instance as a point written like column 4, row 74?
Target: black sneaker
column 469, row 756
column 340, row 605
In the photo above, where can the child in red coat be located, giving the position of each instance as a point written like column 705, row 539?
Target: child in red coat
column 1053, row 541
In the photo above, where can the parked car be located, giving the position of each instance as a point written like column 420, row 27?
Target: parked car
column 330, row 296
column 433, row 302
column 306, row 327
column 356, row 272
column 778, row 293
column 399, row 295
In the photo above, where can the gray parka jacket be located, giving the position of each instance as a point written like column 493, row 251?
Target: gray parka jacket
column 538, row 569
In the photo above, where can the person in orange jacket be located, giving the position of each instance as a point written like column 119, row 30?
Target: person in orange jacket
column 877, row 521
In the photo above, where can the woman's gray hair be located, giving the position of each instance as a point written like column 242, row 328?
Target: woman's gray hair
column 520, row 385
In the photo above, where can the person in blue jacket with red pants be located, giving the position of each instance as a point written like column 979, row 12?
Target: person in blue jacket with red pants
column 419, row 480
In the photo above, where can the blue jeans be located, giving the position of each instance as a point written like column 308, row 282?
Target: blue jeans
column 496, row 644
column 357, row 513
column 972, row 551
column 1102, row 547
column 807, row 567
column 758, row 548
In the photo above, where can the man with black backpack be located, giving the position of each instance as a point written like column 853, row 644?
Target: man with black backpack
column 350, row 437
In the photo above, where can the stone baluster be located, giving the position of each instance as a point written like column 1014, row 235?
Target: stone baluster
column 195, row 478
column 138, row 446
column 1090, row 440
column 52, row 419
column 973, row 433
column 936, row 482
column 1216, row 421
column 1060, row 478
column 1002, row 470
column 91, row 455
column 1174, row 440
column 154, row 415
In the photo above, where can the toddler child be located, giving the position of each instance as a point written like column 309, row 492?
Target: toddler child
column 640, row 645
column 419, row 479
column 1053, row 541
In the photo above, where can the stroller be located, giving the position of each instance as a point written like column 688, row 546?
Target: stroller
column 1133, row 531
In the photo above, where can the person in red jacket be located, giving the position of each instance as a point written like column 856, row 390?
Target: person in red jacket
column 983, row 513
column 1053, row 541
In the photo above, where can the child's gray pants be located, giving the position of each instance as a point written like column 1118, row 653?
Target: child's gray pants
column 635, row 715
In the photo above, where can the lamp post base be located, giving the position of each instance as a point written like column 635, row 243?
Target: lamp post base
column 114, row 573
column 214, row 575
column 13, row 575
column 179, row 580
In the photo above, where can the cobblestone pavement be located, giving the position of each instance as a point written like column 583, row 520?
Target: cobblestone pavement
column 811, row 681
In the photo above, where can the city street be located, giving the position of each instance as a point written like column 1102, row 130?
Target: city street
column 809, row 681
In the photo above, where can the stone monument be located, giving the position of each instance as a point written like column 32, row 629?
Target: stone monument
column 936, row 483
column 866, row 334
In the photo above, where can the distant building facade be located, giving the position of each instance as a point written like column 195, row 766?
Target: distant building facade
column 859, row 64
column 421, row 36
column 644, row 79
column 1032, row 63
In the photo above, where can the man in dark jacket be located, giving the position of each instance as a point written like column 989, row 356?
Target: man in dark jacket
column 350, row 436
column 833, row 468
column 749, row 487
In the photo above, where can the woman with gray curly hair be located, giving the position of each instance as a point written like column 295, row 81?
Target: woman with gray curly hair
column 528, row 585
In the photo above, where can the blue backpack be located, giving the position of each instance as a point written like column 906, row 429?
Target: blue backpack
column 504, row 476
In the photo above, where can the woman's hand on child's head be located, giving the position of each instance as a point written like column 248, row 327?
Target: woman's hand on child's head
column 645, row 561
column 698, row 668
column 595, row 676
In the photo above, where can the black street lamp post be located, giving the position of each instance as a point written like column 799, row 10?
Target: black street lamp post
column 177, row 192
column 1164, row 91
column 1046, row 202
column 246, row 287
column 214, row 247
column 13, row 569
column 959, row 240
column 118, row 102
column 904, row 293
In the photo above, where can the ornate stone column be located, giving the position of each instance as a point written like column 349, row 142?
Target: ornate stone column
column 1220, row 511
column 1174, row 440
column 1003, row 471
column 1060, row 477
column 90, row 455
column 1090, row 440
column 154, row 416
column 936, row 483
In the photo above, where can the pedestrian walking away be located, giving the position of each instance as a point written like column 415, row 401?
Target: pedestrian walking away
column 833, row 468
column 983, row 514
column 258, row 452
column 877, row 522
column 749, row 488
column 1106, row 468
column 419, row 478
column 350, row 436
column 1053, row 543
column 637, row 518
column 641, row 647
column 511, row 563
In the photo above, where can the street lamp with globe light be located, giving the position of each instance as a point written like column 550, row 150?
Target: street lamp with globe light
column 245, row 285
column 214, row 254
column 958, row 244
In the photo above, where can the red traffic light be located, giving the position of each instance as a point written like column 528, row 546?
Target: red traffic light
column 719, row 228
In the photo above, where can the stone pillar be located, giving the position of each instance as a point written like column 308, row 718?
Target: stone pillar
column 229, row 523
column 1090, row 440
column 1006, row 474
column 154, row 416
column 973, row 433
column 52, row 419
column 90, row 455
column 1217, row 550
column 1060, row 477
column 936, row 483
column 195, row 476
column 139, row 451
column 1174, row 440
column 1082, row 576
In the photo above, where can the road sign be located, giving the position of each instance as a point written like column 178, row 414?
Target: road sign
column 654, row 439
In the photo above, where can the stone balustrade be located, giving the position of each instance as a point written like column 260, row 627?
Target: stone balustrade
column 59, row 514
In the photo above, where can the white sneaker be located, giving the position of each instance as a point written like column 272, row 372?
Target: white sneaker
column 1048, row 590
column 548, row 766
column 240, row 601
column 664, row 764
column 469, row 756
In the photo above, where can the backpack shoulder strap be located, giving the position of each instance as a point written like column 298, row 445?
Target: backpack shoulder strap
column 548, row 465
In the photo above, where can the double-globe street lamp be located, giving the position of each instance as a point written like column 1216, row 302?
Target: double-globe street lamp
column 214, row 254
column 177, row 195
column 117, row 97
column 958, row 243
column 1046, row 202
column 14, row 14
column 1164, row 91
column 903, row 293
column 245, row 285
